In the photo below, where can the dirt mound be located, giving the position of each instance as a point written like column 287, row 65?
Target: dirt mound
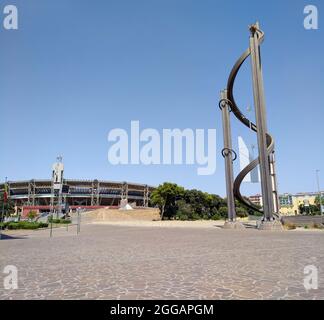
column 124, row 215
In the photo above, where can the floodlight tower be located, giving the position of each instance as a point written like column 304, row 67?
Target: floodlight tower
column 57, row 185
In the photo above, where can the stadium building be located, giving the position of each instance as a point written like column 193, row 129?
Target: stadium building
column 60, row 194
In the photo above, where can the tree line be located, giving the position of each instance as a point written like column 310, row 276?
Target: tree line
column 175, row 202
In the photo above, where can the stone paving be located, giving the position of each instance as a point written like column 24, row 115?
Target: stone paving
column 113, row 262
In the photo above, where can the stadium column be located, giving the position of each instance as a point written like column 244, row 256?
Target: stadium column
column 145, row 196
column 124, row 191
column 98, row 193
column 31, row 193
column 92, row 193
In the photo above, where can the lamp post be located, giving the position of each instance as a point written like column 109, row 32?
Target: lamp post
column 319, row 191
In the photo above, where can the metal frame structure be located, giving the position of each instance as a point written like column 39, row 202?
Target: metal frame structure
column 31, row 192
column 95, row 194
column 124, row 191
column 146, row 196
column 78, row 193
column 228, row 154
column 266, row 158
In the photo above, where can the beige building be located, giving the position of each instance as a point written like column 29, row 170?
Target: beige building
column 289, row 203
column 256, row 199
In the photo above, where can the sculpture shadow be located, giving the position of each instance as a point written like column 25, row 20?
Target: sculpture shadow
column 8, row 237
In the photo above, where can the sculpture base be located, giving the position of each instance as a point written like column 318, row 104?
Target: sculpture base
column 274, row 225
column 237, row 225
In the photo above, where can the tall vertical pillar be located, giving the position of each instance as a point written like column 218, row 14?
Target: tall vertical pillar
column 274, row 184
column 95, row 193
column 145, row 196
column 57, row 184
column 260, row 114
column 228, row 155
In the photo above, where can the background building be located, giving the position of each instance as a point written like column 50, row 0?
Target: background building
column 64, row 195
column 256, row 199
column 289, row 203
column 88, row 194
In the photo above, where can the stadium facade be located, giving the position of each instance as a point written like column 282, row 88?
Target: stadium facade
column 69, row 194
column 88, row 194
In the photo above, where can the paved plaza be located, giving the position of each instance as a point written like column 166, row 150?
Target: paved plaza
column 121, row 262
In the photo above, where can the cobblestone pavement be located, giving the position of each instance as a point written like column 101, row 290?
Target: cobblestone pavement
column 111, row 262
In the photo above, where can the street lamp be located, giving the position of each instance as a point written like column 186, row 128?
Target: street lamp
column 319, row 191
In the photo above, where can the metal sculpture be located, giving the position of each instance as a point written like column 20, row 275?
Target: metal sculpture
column 266, row 158
column 228, row 154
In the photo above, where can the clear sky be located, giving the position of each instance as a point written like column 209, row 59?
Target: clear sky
column 74, row 70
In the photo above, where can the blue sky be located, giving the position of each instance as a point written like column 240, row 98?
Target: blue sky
column 74, row 70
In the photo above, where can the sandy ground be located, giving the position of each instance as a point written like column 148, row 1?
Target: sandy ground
column 143, row 218
column 113, row 215
column 151, row 218
column 166, row 223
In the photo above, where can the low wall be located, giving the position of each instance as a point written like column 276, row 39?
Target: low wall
column 302, row 221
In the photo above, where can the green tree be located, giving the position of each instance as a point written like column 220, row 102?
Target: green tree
column 198, row 201
column 32, row 215
column 317, row 200
column 248, row 210
column 184, row 211
column 310, row 210
column 175, row 201
column 214, row 203
column 6, row 208
column 223, row 212
column 205, row 205
column 241, row 212
column 165, row 196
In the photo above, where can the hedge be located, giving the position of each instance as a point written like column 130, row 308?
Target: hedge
column 23, row 225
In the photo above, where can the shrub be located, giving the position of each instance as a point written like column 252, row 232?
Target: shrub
column 290, row 226
column 216, row 216
column 63, row 221
column 25, row 225
column 195, row 216
column 182, row 217
column 2, row 225
column 32, row 215
column 213, row 211
column 223, row 211
column 43, row 225
column 184, row 211
column 241, row 212
column 315, row 225
column 318, row 226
